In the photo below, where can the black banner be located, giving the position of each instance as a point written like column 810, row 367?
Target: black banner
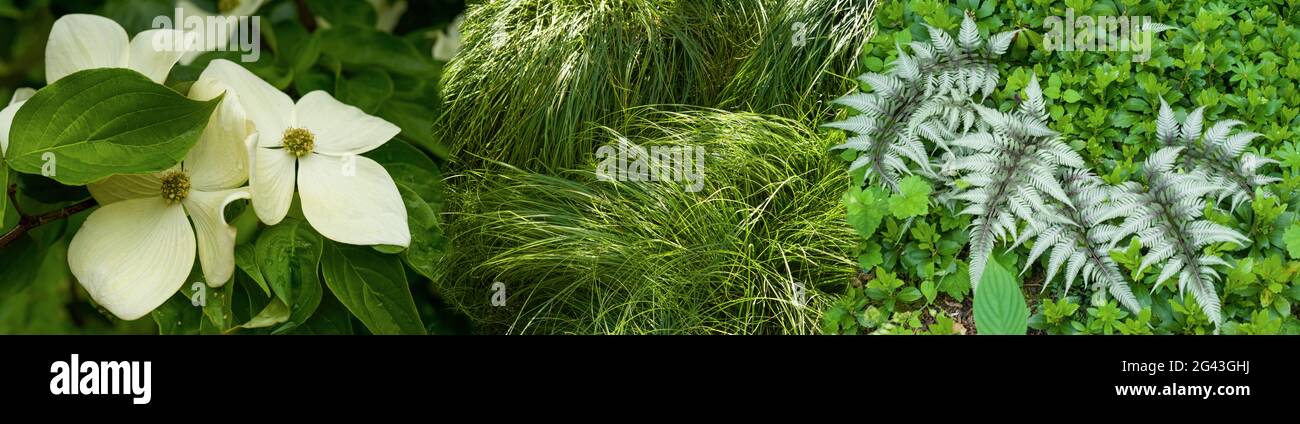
column 351, row 372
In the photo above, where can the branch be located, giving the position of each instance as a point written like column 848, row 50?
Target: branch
column 305, row 17
column 27, row 223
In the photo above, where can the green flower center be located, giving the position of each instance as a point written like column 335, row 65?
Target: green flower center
column 225, row 6
column 175, row 186
column 299, row 141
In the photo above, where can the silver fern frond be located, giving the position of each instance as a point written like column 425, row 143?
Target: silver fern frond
column 1011, row 169
column 1216, row 152
column 1081, row 241
column 1166, row 217
column 924, row 98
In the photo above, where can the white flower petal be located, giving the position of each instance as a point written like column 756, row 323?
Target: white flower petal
column 270, row 109
column 79, row 42
column 271, row 183
column 22, row 94
column 352, row 202
column 154, row 52
column 219, row 160
column 216, row 237
column 126, row 187
column 7, row 121
column 133, row 255
column 341, row 128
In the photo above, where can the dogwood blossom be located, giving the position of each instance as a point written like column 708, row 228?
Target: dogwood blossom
column 316, row 145
column 137, row 249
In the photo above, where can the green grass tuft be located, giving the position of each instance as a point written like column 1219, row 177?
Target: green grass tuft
column 535, row 73
column 783, row 78
column 584, row 256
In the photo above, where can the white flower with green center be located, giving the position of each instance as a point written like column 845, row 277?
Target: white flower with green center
column 225, row 8
column 80, row 42
column 316, row 145
column 137, row 249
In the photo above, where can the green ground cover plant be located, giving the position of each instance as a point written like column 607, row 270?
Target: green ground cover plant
column 1190, row 150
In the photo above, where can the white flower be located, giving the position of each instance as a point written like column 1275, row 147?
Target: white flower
column 447, row 43
column 79, row 42
column 346, row 197
column 137, row 249
column 225, row 8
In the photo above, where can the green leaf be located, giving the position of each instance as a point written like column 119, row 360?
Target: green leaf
column 865, row 209
column 999, row 304
column 331, row 318
column 288, row 255
column 274, row 313
column 373, row 286
column 416, row 122
column 19, row 264
column 357, row 46
column 913, row 198
column 216, row 310
column 368, row 90
column 909, row 294
column 1072, row 96
column 871, row 256
column 246, row 260
column 178, row 315
column 101, row 122
column 1292, row 238
column 929, row 290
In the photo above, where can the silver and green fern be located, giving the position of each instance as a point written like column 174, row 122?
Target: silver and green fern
column 924, row 95
column 1008, row 172
column 1218, row 153
column 1082, row 241
column 1166, row 216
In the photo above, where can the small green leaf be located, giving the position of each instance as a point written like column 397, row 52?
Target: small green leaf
column 929, row 290
column 909, row 294
column 274, row 313
column 1292, row 238
column 913, row 198
column 288, row 255
column 1072, row 96
column 101, row 122
column 870, row 257
column 865, row 209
